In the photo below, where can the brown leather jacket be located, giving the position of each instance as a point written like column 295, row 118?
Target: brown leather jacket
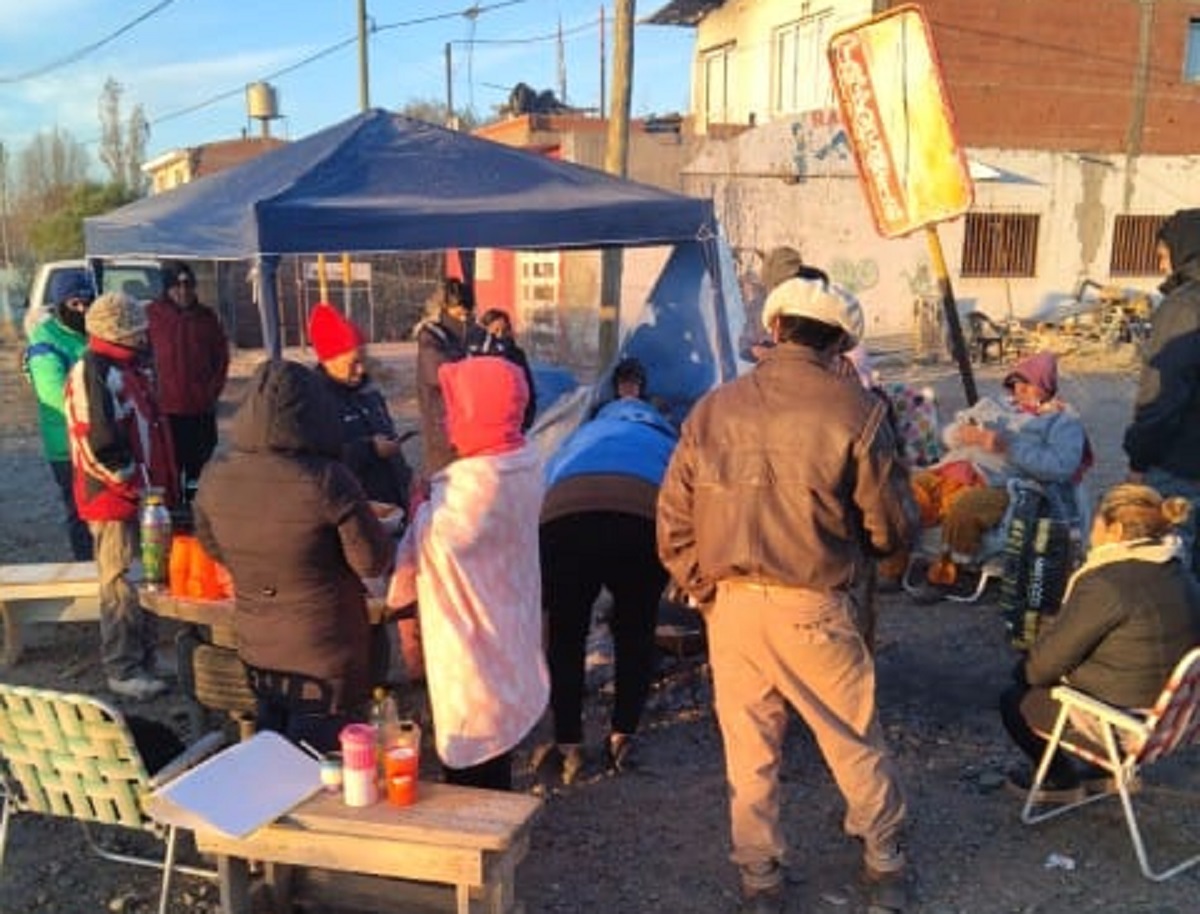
column 788, row 475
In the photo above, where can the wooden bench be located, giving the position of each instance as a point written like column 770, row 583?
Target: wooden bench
column 467, row 838
column 51, row 592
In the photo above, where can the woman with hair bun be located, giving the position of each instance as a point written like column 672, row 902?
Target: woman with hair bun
column 1130, row 613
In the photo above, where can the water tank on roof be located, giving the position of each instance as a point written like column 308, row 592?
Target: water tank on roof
column 261, row 102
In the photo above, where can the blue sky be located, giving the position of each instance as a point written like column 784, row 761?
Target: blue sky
column 186, row 52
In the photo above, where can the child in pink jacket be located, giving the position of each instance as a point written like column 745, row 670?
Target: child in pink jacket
column 470, row 559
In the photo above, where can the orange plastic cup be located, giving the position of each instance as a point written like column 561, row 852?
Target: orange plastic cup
column 400, row 766
column 402, row 790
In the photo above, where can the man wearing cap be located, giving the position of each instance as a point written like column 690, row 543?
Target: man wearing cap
column 191, row 362
column 781, row 481
column 1163, row 440
column 448, row 337
column 54, row 346
column 119, row 446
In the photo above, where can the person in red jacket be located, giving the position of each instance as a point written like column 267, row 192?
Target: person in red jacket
column 119, row 446
column 191, row 360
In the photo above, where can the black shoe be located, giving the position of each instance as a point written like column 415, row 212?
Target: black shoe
column 552, row 762
column 925, row 594
column 769, row 901
column 762, row 888
column 619, row 756
column 1096, row 780
column 1052, row 792
column 887, row 892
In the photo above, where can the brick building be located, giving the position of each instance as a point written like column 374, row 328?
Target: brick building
column 1073, row 114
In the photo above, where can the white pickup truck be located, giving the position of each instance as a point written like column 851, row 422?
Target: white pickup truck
column 140, row 279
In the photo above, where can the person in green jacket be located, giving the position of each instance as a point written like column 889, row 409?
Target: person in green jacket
column 54, row 346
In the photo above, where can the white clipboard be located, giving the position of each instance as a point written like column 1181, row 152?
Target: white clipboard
column 240, row 788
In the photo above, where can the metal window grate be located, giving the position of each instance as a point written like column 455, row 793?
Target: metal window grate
column 1133, row 248
column 1000, row 244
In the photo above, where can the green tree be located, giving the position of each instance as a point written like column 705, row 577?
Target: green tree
column 59, row 234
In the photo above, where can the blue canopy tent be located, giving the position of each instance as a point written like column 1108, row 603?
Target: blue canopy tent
column 381, row 182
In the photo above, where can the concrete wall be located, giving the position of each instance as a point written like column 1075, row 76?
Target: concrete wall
column 793, row 182
column 747, row 26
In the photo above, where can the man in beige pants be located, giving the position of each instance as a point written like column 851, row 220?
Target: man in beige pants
column 782, row 480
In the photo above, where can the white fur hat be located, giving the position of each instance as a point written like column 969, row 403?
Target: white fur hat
column 811, row 298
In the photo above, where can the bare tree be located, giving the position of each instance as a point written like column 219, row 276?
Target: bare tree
column 137, row 131
column 122, row 143
column 49, row 167
column 435, row 112
column 112, row 145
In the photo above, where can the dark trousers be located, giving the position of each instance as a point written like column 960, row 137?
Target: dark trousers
column 82, row 548
column 494, row 774
column 195, row 439
column 1027, row 710
column 580, row 554
column 300, row 707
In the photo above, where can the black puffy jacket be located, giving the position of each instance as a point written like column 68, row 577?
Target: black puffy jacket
column 1165, row 431
column 293, row 526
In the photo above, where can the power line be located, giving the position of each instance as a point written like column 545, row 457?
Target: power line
column 471, row 12
column 83, row 52
column 230, row 93
column 551, row 36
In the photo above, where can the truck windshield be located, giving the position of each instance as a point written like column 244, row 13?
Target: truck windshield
column 141, row 283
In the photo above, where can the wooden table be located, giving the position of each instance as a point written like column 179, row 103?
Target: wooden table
column 464, row 837
column 216, row 615
column 210, row 673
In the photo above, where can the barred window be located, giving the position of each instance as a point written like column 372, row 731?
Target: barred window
column 1133, row 247
column 1000, row 244
column 1191, row 56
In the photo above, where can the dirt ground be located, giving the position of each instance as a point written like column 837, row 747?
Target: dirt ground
column 657, row 840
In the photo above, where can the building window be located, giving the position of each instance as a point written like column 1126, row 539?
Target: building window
column 1191, row 59
column 718, row 66
column 800, row 76
column 1133, row 249
column 1000, row 244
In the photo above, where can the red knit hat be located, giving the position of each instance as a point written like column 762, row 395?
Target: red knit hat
column 330, row 333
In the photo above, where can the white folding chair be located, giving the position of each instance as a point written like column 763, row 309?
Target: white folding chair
column 1131, row 743
column 73, row 756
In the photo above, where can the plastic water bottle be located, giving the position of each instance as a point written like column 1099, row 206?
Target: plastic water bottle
column 385, row 720
column 155, row 523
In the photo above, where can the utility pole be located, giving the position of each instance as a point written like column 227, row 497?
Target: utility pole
column 364, row 72
column 616, row 162
column 562, row 65
column 603, row 62
column 449, row 88
column 4, row 250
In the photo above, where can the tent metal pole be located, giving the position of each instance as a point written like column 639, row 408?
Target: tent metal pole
column 268, row 305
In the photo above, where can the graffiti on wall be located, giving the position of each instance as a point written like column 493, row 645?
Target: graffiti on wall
column 820, row 145
column 855, row 275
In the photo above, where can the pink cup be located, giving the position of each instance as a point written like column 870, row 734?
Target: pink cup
column 358, row 747
column 359, row 787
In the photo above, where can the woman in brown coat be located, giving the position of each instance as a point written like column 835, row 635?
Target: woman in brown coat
column 296, row 531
